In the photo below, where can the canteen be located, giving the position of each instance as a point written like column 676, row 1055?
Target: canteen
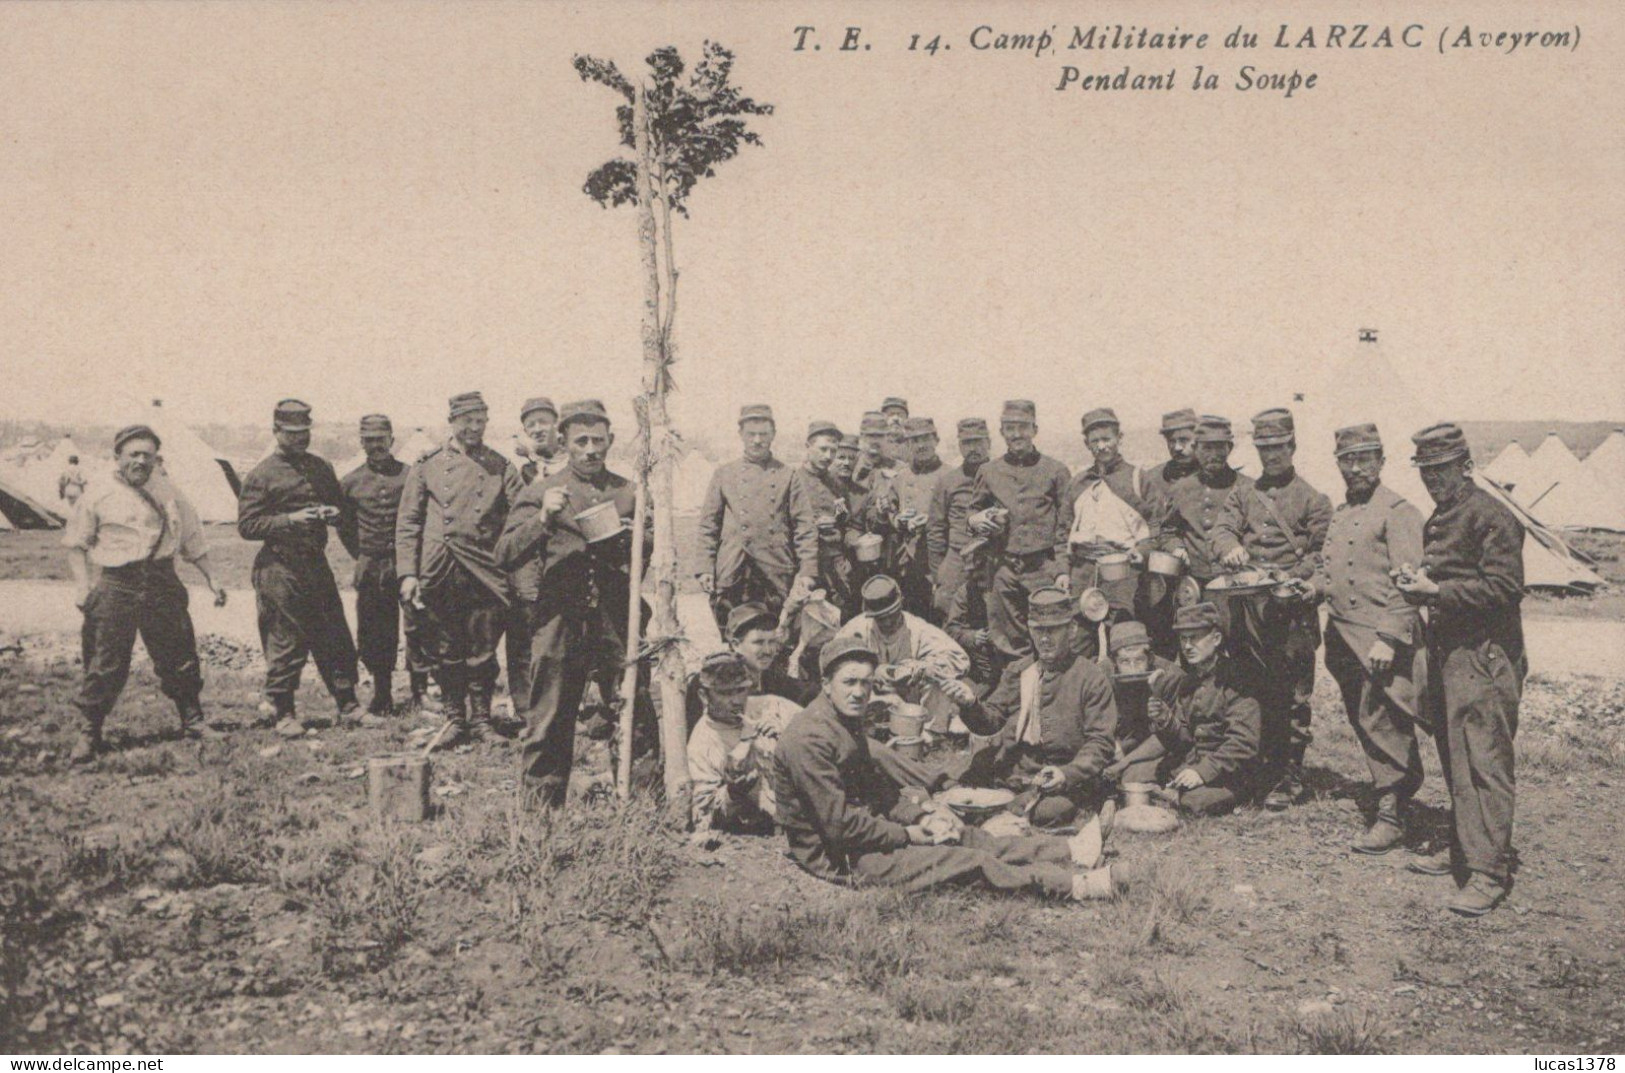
column 1115, row 567
column 868, row 548
column 907, row 721
column 1165, row 563
column 600, row 522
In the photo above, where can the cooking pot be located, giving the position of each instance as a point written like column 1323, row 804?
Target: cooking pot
column 600, row 522
column 1165, row 563
column 1115, row 567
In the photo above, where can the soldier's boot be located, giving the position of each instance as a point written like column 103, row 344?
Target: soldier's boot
column 1288, row 789
column 1102, row 883
column 1088, row 846
column 479, row 708
column 1441, row 863
column 383, row 695
column 347, row 705
column 88, row 745
column 278, row 710
column 421, row 703
column 1387, row 832
column 192, row 723
column 1481, row 894
column 454, row 700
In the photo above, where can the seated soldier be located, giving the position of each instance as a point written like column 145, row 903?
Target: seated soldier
column 1052, row 719
column 1135, row 669
column 1205, row 727
column 723, row 761
column 853, row 813
column 753, row 634
column 916, row 658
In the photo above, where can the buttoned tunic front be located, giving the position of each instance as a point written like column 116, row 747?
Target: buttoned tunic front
column 1194, row 505
column 1281, row 521
column 747, row 517
column 453, row 508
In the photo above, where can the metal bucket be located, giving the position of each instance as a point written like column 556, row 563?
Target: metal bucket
column 1165, row 563
column 398, row 787
column 600, row 522
column 913, row 748
column 868, row 548
column 1115, row 567
column 907, row 721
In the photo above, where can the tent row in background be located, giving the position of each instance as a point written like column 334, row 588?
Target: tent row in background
column 1563, row 491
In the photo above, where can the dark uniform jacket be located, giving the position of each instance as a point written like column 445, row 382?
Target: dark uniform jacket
column 1365, row 541
column 838, row 798
column 280, row 485
column 1159, row 479
column 1473, row 549
column 747, row 514
column 949, row 527
column 1288, row 537
column 1032, row 488
column 1077, row 721
column 1194, row 503
column 453, row 508
column 1209, row 723
column 815, row 494
column 374, row 496
column 571, row 573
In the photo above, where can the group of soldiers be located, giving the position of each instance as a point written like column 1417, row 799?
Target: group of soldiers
column 1076, row 629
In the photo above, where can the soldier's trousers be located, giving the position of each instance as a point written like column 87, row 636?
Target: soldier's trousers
column 1386, row 731
column 753, row 584
column 1038, row 864
column 462, row 621
column 961, row 601
column 379, row 619
column 144, row 598
column 1014, row 579
column 1473, row 696
column 835, row 577
column 910, row 568
column 1119, row 594
column 1276, row 645
column 574, row 642
column 300, row 617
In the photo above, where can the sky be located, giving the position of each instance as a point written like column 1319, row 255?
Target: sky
column 375, row 206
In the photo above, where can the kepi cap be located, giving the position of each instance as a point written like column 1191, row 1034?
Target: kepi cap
column 725, row 671
column 849, row 442
column 1357, row 438
column 1178, row 420
column 745, row 616
column 1438, row 444
column 582, row 410
column 291, row 415
column 881, row 596
column 1212, row 429
column 466, row 403
column 843, row 648
column 376, row 425
column 1196, row 617
column 1273, row 427
column 540, row 404
column 1049, row 607
column 756, row 411
column 1129, row 634
column 822, row 428
column 1019, row 410
column 894, row 402
column 919, row 427
column 973, row 428
column 874, row 421
column 1103, row 415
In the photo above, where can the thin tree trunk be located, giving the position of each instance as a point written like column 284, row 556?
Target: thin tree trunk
column 655, row 480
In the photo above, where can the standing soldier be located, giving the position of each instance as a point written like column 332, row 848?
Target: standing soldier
column 753, row 547
column 955, row 552
column 287, row 503
column 1179, row 435
column 1194, row 500
column 817, row 492
column 1030, row 544
column 372, row 495
column 1471, row 580
column 896, row 410
column 130, row 528
column 874, row 439
column 452, row 513
column 1109, row 509
column 901, row 508
column 542, row 458
column 1373, row 635
column 585, row 589
column 1278, row 522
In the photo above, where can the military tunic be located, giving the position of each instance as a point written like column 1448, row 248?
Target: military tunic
column 907, row 488
column 1157, row 609
column 1367, row 539
column 580, row 615
column 453, row 507
column 1193, row 507
column 845, row 807
column 752, row 542
column 821, row 496
column 1473, row 549
column 372, row 492
column 1282, row 523
column 1030, row 553
column 300, row 614
column 1210, row 723
column 1076, row 719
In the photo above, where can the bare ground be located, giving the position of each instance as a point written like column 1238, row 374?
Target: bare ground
column 235, row 896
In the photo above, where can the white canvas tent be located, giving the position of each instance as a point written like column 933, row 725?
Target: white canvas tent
column 1510, row 466
column 202, row 473
column 1583, row 501
column 1607, row 462
column 21, row 510
column 1549, row 465
column 1366, row 387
